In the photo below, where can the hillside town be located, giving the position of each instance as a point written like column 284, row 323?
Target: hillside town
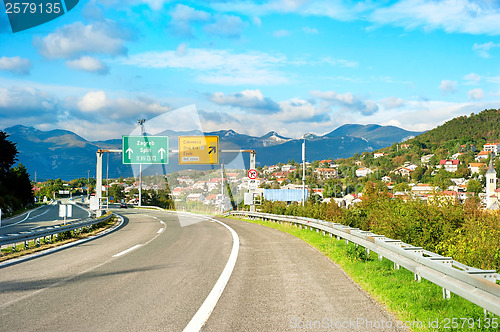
column 463, row 173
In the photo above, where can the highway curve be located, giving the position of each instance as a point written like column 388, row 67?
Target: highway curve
column 154, row 276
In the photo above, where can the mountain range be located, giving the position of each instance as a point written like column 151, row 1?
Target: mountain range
column 66, row 155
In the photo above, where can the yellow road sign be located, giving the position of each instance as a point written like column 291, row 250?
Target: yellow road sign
column 198, row 150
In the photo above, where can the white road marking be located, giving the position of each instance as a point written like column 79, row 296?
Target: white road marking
column 27, row 217
column 128, row 250
column 160, row 230
column 203, row 313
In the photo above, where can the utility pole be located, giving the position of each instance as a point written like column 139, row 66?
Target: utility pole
column 88, row 183
column 303, row 172
column 141, row 122
column 222, row 187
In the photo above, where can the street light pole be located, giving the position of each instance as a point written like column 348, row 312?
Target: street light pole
column 303, row 172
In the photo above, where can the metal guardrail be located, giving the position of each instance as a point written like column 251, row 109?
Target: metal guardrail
column 475, row 285
column 43, row 232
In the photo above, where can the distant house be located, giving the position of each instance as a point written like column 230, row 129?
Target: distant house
column 483, row 155
column 491, row 147
column 386, row 179
column 363, row 171
column 406, row 146
column 358, row 163
column 472, row 147
column 288, row 168
column 195, row 197
column 476, row 167
column 326, row 173
column 426, row 159
column 456, row 155
column 423, row 188
column 450, row 165
column 403, row 171
column 410, row 166
column 379, row 154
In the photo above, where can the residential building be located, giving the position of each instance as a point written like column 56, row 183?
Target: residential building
column 426, row 159
column 386, row 179
column 483, row 155
column 363, row 171
column 456, row 155
column 450, row 165
column 379, row 154
column 195, row 197
column 326, row 173
column 403, row 171
column 491, row 147
column 476, row 167
column 423, row 188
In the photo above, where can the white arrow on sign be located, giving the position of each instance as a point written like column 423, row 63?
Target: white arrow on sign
column 162, row 151
column 129, row 151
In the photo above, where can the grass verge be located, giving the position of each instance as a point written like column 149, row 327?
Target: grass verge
column 418, row 305
column 62, row 239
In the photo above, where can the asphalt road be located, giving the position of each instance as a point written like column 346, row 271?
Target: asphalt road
column 154, row 276
column 46, row 215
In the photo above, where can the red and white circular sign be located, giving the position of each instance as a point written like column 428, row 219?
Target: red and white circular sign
column 252, row 174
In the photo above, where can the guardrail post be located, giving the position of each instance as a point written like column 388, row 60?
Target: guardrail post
column 38, row 242
column 446, row 294
column 396, row 266
column 367, row 251
column 26, row 245
column 13, row 247
column 380, row 257
column 338, row 238
column 418, row 278
column 346, row 241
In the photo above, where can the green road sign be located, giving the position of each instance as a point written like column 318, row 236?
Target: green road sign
column 145, row 149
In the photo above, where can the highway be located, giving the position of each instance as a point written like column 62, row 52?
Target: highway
column 46, row 215
column 155, row 272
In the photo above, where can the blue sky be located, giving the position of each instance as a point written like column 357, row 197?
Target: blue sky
column 293, row 66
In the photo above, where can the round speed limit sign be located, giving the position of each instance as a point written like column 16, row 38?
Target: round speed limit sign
column 252, row 174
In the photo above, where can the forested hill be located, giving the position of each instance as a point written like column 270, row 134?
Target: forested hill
column 475, row 129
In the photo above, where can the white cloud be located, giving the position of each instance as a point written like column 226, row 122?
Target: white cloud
column 472, row 78
column 226, row 26
column 247, row 99
column 90, row 64
column 339, row 62
column 217, row 66
column 21, row 101
column 483, row 49
column 347, row 102
column 182, row 18
column 392, row 103
column 16, row 65
column 462, row 16
column 281, row 33
column 310, row 30
column 77, row 39
column 185, row 19
column 93, row 101
column 452, row 16
column 475, row 94
column 448, row 86
column 257, row 21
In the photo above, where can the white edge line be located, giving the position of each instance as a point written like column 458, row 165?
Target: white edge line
column 204, row 312
column 128, row 250
column 160, row 230
column 59, row 248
